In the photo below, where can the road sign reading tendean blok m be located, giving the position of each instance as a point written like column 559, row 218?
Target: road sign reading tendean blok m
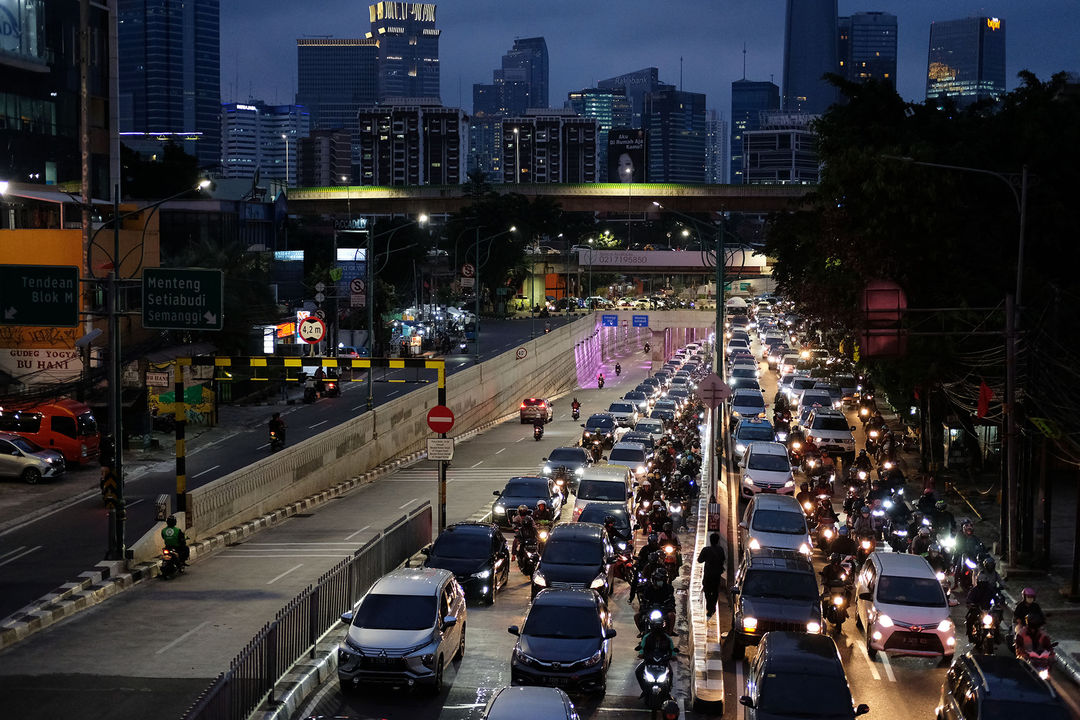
column 182, row 299
column 45, row 295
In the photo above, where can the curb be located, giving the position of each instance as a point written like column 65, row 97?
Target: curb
column 706, row 665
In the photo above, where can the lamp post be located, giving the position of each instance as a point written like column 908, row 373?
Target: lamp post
column 476, row 288
column 286, row 139
column 629, row 193
column 590, row 267
column 517, row 156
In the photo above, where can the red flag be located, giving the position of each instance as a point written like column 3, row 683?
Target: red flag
column 985, row 394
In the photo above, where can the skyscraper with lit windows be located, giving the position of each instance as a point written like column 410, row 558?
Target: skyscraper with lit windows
column 868, row 47
column 408, row 49
column 966, row 62
column 749, row 99
column 810, row 51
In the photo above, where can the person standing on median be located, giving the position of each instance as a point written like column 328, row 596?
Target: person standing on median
column 714, row 560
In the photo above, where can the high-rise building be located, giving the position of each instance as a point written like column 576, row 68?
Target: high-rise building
column 408, row 49
column 169, row 64
column 636, row 85
column 749, row 99
column 675, row 122
column 40, row 127
column 810, row 51
column 610, row 108
column 966, row 62
column 325, row 159
column 335, row 78
column 867, row 47
column 531, row 56
column 782, row 151
column 549, row 146
column 409, row 142
column 256, row 137
column 716, row 135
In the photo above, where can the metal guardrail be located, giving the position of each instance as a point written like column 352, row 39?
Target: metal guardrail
column 297, row 627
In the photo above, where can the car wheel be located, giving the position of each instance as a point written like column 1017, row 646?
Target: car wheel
column 31, row 476
column 437, row 683
column 601, row 690
column 738, row 650
column 871, row 652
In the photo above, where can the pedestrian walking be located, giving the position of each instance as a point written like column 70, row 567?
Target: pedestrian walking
column 715, row 562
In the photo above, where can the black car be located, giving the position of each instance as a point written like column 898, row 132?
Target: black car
column 578, row 556
column 525, row 491
column 567, row 464
column 996, row 686
column 774, row 590
column 599, row 512
column 640, row 437
column 477, row 555
column 565, row 642
column 599, row 430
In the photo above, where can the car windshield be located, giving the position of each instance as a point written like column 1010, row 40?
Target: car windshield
column 601, row 490
column 621, row 407
column 779, row 521
column 395, row 612
column 804, row 696
column 755, row 432
column 600, row 423
column 666, row 404
column 524, row 488
column 87, row 424
column 809, row 399
column 845, row 381
column 573, row 551
column 780, row 584
column 1008, row 709
column 626, row 455
column 749, row 400
column 462, row 545
column 922, row 592
column 764, row 461
column 831, row 423
column 597, row 513
column 570, row 623
column 649, row 427
column 635, row 395
column 802, row 383
column 575, row 455
column 25, row 445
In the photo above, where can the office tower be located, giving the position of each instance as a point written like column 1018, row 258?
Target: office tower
column 531, row 56
column 335, row 78
column 263, row 138
column 716, row 135
column 782, row 151
column 810, row 51
column 610, row 109
column 325, row 158
column 867, row 47
column 748, row 99
column 636, row 85
column 549, row 146
column 675, row 122
column 40, row 124
column 406, row 141
column 408, row 49
column 966, row 62
column 169, row 64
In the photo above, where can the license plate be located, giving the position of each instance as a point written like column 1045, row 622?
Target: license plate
column 768, row 490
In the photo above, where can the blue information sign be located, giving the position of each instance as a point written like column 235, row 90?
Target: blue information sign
column 641, row 321
column 609, row 320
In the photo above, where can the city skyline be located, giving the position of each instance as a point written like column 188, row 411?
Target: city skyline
column 710, row 43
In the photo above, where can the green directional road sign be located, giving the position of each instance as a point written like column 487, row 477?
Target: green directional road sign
column 45, row 295
column 182, row 299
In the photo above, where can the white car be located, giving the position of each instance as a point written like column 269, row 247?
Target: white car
column 625, row 412
column 766, row 469
column 902, row 608
column 747, row 403
column 652, row 426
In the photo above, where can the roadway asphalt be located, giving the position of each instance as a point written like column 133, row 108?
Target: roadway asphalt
column 52, row 532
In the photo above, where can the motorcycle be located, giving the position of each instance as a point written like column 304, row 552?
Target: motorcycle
column 672, row 561
column 575, row 413
column 872, row 441
column 657, row 674
column 647, row 348
column 528, row 557
column 824, row 533
column 170, row 563
column 618, row 369
column 835, row 601
column 543, row 532
column 600, row 382
column 984, row 629
column 538, row 432
column 1041, row 661
column 277, row 439
column 331, row 388
column 867, row 544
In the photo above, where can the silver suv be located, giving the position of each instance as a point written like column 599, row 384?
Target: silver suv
column 25, row 459
column 407, row 628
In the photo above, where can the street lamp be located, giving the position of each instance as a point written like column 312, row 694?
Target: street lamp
column 476, row 287
column 629, row 192
column 286, row 139
column 348, row 196
column 517, row 156
column 590, row 267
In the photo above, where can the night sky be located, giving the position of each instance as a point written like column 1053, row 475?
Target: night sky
column 589, row 40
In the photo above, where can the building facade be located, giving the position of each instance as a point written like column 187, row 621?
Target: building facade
column 610, row 108
column 749, row 99
column 810, row 51
column 263, row 139
column 325, row 158
column 966, row 62
column 782, row 151
column 636, row 86
column 169, row 65
column 408, row 49
column 407, row 142
column 675, row 122
column 867, row 47
column 549, row 146
column 716, row 136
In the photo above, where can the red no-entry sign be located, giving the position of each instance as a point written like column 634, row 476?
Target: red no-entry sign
column 440, row 419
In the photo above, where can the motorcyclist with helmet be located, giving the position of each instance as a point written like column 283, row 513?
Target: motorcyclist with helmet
column 618, row 369
column 1025, row 607
column 982, row 594
column 652, row 544
column 920, row 544
column 834, row 572
column 863, row 462
column 926, row 503
column 658, row 515
column 655, row 643
column 824, row 513
column 615, row 534
column 174, row 539
column 938, row 562
column 1031, row 638
column 543, row 514
column 967, row 546
column 657, row 593
column 844, row 544
column 943, row 520
column 804, row 495
column 524, row 529
column 864, row 524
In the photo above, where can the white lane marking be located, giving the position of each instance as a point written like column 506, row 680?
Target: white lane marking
column 292, row 544
column 888, row 666
column 359, row 406
column 519, row 439
column 312, row 427
column 294, row 567
column 357, row 533
column 233, row 554
column 205, row 471
column 873, row 668
column 393, row 393
column 499, row 451
column 414, row 500
column 133, row 503
column 477, row 464
column 466, row 706
column 264, row 445
column 13, row 550
column 182, row 638
column 23, row 553
column 740, row 688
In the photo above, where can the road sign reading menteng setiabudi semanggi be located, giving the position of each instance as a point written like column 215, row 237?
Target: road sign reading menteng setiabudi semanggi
column 182, row 299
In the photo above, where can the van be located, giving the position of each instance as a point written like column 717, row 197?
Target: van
column 66, row 425
column 605, row 484
column 775, row 521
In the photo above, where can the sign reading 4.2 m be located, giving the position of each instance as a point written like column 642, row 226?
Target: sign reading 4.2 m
column 45, row 295
column 182, row 299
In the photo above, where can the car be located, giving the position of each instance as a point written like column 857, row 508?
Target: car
column 600, row 431
column 811, row 399
column 834, row 392
column 766, row 469
column 515, row 703
column 830, row 431
column 773, row 590
column 598, row 513
column 848, row 386
column 625, row 412
column 653, row 427
column 604, row 484
column 901, row 607
column 743, row 371
column 477, row 555
column 597, row 303
column 798, row 675
column 982, row 687
column 565, row 641
column 798, row 385
column 633, row 455
column 680, row 394
column 747, row 403
column 405, row 630
column 734, row 344
column 651, row 390
column 527, row 491
column 640, row 399
column 667, row 403
column 775, row 521
column 642, row 438
column 578, row 556
column 533, row 409
column 667, row 415
column 24, row 459
column 567, row 464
